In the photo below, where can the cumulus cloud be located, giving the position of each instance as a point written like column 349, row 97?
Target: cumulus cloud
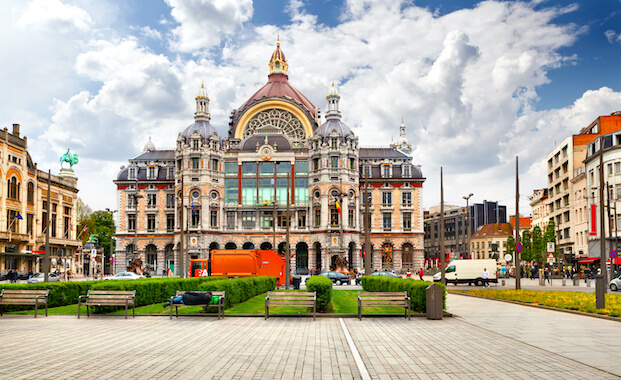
column 203, row 23
column 612, row 36
column 54, row 13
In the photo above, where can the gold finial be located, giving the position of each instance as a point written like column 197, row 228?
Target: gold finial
column 401, row 119
column 202, row 84
column 278, row 41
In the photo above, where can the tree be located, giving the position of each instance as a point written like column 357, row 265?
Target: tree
column 103, row 227
column 549, row 237
column 539, row 244
column 84, row 219
column 511, row 247
column 527, row 248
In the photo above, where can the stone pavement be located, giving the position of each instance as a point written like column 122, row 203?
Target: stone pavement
column 488, row 340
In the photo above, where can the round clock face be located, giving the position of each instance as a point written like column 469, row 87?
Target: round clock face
column 266, row 153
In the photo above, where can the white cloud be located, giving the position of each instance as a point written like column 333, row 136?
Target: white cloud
column 612, row 36
column 55, row 14
column 203, row 23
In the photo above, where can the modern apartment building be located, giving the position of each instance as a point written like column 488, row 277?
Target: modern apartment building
column 564, row 164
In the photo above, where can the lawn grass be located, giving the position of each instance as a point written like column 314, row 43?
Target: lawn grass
column 343, row 302
column 580, row 301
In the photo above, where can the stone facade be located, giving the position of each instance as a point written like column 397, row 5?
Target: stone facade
column 233, row 192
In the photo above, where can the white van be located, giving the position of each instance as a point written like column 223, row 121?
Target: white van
column 469, row 272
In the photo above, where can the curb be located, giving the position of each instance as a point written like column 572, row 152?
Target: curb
column 615, row 319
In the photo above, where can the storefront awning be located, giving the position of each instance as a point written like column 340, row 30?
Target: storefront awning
column 616, row 261
column 588, row 260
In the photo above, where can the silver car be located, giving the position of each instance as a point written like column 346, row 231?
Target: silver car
column 615, row 284
column 40, row 277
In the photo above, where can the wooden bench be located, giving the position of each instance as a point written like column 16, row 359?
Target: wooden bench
column 219, row 305
column 24, row 297
column 383, row 299
column 290, row 299
column 125, row 298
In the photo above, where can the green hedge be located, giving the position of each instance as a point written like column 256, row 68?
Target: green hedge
column 148, row 289
column 323, row 286
column 415, row 288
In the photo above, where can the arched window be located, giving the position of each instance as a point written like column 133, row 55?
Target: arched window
column 13, row 188
column 30, row 193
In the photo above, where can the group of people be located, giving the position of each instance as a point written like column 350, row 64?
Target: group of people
column 421, row 272
column 12, row 276
column 166, row 272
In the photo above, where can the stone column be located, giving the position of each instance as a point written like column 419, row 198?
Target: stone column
column 161, row 262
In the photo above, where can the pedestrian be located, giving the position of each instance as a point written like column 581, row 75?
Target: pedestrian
column 163, row 272
column 586, row 275
column 408, row 274
column 420, row 274
column 168, row 272
column 485, row 276
column 546, row 274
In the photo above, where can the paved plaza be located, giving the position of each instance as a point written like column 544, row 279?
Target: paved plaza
column 485, row 340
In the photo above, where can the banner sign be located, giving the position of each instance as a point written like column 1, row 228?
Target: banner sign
column 593, row 221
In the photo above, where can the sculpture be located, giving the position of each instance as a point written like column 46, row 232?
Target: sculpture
column 68, row 157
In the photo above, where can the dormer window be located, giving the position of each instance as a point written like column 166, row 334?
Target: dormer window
column 195, row 144
column 406, row 171
column 151, row 172
column 386, row 170
column 132, row 173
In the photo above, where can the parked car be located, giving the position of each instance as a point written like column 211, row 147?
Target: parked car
column 337, row 278
column 615, row 284
column 40, row 277
column 125, row 276
column 384, row 273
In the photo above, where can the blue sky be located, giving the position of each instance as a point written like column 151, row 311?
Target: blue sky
column 477, row 83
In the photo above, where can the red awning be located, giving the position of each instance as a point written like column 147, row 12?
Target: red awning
column 588, row 260
column 616, row 261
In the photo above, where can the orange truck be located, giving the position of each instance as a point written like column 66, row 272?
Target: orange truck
column 240, row 263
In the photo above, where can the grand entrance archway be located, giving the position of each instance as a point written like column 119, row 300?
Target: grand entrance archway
column 387, row 256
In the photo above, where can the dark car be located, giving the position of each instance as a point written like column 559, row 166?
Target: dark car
column 384, row 273
column 337, row 278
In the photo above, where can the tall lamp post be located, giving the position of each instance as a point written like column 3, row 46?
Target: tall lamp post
column 112, row 256
column 467, row 198
column 136, row 197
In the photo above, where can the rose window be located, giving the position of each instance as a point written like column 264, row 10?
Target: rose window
column 285, row 120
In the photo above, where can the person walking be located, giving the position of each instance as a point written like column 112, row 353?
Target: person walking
column 420, row 274
column 485, row 276
column 546, row 275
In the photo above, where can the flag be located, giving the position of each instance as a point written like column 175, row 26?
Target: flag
column 83, row 231
column 338, row 206
column 18, row 216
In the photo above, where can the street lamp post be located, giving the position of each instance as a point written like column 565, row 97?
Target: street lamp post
column 136, row 197
column 111, row 254
column 467, row 198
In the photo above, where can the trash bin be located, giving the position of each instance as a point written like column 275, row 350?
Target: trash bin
column 295, row 281
column 433, row 307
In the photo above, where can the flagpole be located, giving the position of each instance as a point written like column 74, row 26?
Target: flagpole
column 46, row 262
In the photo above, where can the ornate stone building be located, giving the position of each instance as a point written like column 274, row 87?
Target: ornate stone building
column 278, row 157
column 24, row 218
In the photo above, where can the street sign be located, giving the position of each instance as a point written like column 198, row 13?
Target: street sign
column 550, row 256
column 614, row 254
column 550, row 246
column 508, row 257
column 518, row 247
column 551, row 260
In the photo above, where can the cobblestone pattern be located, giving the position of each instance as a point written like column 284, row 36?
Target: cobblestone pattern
column 281, row 348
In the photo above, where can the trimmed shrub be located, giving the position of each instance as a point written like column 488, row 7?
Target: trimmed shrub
column 415, row 288
column 323, row 286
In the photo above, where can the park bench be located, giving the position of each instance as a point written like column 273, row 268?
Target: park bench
column 290, row 299
column 383, row 299
column 219, row 305
column 125, row 298
column 24, row 297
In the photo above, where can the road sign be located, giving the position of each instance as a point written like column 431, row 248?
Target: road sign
column 519, row 247
column 550, row 256
column 508, row 257
column 551, row 260
column 550, row 246
column 614, row 254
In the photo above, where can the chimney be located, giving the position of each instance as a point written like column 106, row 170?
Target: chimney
column 16, row 130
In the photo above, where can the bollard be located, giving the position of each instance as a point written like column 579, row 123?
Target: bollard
column 588, row 283
column 503, row 282
column 563, row 282
column 433, row 307
column 576, row 280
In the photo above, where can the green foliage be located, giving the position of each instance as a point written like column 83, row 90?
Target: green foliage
column 527, row 247
column 550, row 236
column 323, row 286
column 511, row 245
column 539, row 245
column 415, row 289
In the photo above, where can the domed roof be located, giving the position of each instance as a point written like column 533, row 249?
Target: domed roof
column 333, row 91
column 149, row 146
column 326, row 128
column 202, row 93
column 278, row 54
column 202, row 127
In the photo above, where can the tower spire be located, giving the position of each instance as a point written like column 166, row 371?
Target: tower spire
column 278, row 63
column 202, row 105
column 333, row 104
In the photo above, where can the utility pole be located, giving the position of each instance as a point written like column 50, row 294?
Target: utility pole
column 468, row 254
column 46, row 259
column 518, row 268
column 112, row 224
column 442, row 253
column 287, row 249
column 368, row 264
column 181, row 264
column 600, row 286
